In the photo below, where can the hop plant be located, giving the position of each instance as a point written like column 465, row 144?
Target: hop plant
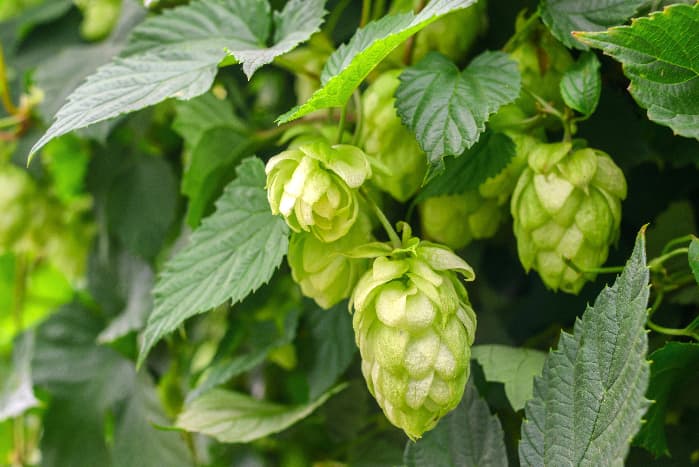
column 567, row 205
column 324, row 271
column 313, row 187
column 414, row 327
column 402, row 162
column 16, row 198
column 456, row 220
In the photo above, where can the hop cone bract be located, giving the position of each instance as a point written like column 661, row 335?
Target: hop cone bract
column 313, row 187
column 402, row 162
column 567, row 205
column 414, row 327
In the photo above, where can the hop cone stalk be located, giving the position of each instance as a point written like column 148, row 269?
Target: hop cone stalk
column 567, row 204
column 324, row 271
column 414, row 327
column 313, row 187
column 402, row 164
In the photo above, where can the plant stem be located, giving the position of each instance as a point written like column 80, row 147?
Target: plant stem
column 263, row 135
column 677, row 241
column 377, row 11
column 608, row 270
column 20, row 290
column 4, row 88
column 392, row 235
column 335, row 16
column 359, row 121
column 516, row 37
column 366, row 13
column 410, row 44
column 10, row 121
column 657, row 262
column 656, row 303
column 341, row 125
column 671, row 331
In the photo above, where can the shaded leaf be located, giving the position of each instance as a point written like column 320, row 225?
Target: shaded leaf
column 486, row 159
column 231, row 417
column 565, row 16
column 16, row 392
column 177, row 53
column 233, row 252
column 347, row 67
column 447, row 109
column 589, row 401
column 512, row 366
column 669, row 366
column 693, row 257
column 581, row 85
column 468, row 436
column 664, row 79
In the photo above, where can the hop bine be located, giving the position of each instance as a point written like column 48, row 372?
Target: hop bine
column 414, row 326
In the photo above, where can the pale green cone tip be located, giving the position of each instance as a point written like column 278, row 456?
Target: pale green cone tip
column 414, row 326
column 567, row 206
column 313, row 186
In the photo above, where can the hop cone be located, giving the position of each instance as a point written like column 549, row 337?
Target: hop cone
column 323, row 270
column 456, row 220
column 402, row 162
column 567, row 205
column 414, row 327
column 313, row 187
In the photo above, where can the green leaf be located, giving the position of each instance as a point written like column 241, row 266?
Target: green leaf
column 664, row 79
column 201, row 114
column 141, row 205
column 447, row 109
column 231, row 417
column 486, row 159
column 177, row 53
column 565, row 16
column 469, row 435
column 16, row 393
column 352, row 62
column 232, row 253
column 333, row 347
column 589, row 401
column 693, row 257
column 581, row 85
column 514, row 367
column 670, row 364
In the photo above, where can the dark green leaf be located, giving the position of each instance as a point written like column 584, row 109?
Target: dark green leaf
column 447, row 109
column 232, row 253
column 486, row 159
column 352, row 62
column 231, row 417
column 669, row 365
column 693, row 257
column 565, row 16
column 177, row 53
column 141, row 205
column 16, row 393
column 664, row 78
column 512, row 366
column 581, row 85
column 589, row 401
column 468, row 436
column 333, row 347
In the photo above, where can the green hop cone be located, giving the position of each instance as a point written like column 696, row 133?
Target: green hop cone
column 99, row 17
column 313, row 186
column 542, row 61
column 414, row 326
column 567, row 205
column 402, row 162
column 456, row 220
column 324, row 271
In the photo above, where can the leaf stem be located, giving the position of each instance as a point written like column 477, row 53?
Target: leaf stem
column 517, row 36
column 672, row 331
column 359, row 121
column 335, row 16
column 607, row 270
column 377, row 11
column 655, row 263
column 10, row 121
column 366, row 13
column 4, row 87
column 676, row 241
column 341, row 125
column 392, row 235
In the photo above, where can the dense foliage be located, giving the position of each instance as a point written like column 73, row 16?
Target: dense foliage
column 343, row 232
